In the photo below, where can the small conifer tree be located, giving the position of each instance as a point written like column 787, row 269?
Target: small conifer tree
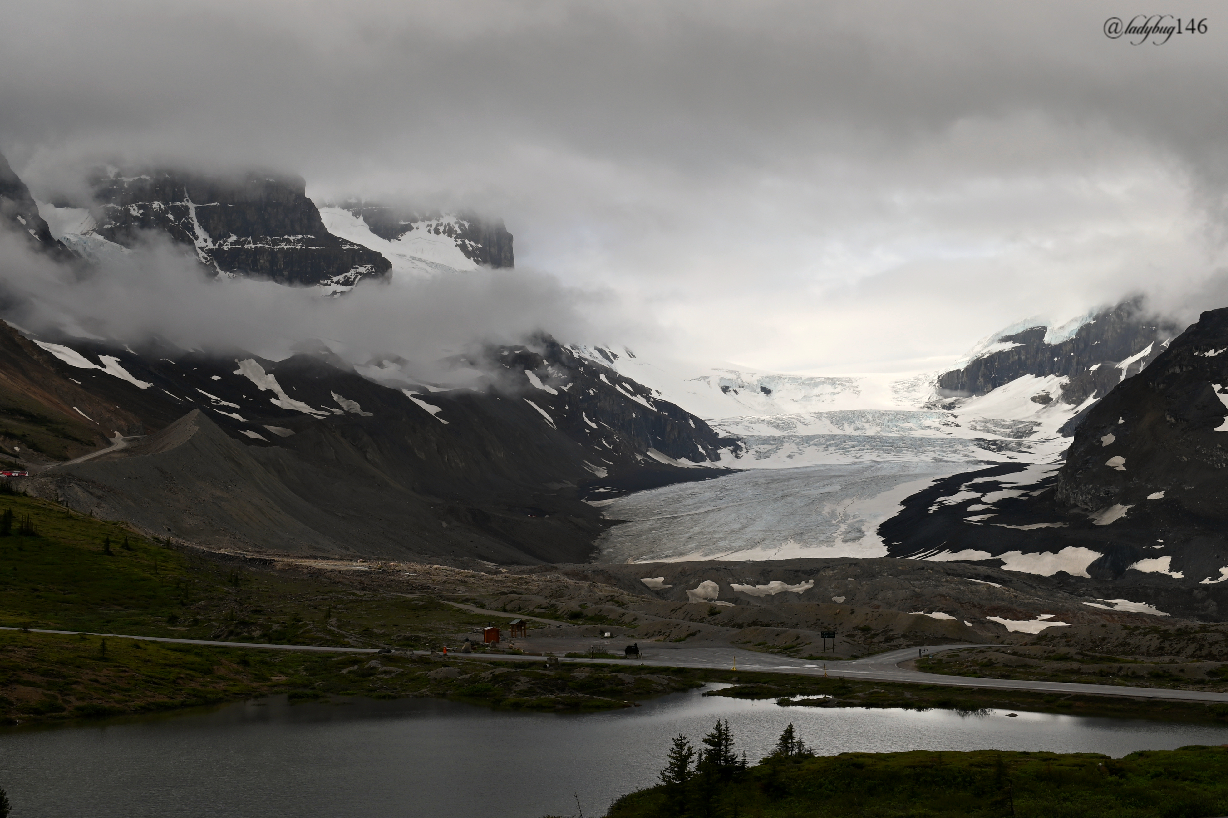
column 678, row 767
column 789, row 746
column 719, row 758
column 677, row 773
column 106, row 545
column 6, row 523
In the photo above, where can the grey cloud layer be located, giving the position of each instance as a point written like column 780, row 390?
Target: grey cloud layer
column 767, row 180
column 156, row 291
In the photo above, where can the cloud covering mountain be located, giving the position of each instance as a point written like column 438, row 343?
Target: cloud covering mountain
column 789, row 185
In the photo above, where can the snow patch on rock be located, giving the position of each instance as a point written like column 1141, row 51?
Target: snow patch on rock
column 542, row 412
column 1111, row 514
column 1029, row 626
column 68, row 355
column 772, row 588
column 705, row 591
column 350, row 406
column 111, row 366
column 1223, row 577
column 429, row 407
column 1157, row 565
column 255, row 373
column 1126, row 605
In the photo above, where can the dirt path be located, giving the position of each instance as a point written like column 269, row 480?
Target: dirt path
column 118, row 442
column 505, row 614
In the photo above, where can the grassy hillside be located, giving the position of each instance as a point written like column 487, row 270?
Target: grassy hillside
column 1179, row 784
column 77, row 573
column 49, row 677
column 80, row 574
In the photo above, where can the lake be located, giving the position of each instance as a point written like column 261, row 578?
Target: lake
column 369, row 759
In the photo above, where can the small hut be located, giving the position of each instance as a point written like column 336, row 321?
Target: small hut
column 490, row 635
column 519, row 629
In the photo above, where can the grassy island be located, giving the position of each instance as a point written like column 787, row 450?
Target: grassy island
column 1185, row 783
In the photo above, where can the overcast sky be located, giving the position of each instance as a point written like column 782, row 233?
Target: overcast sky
column 833, row 187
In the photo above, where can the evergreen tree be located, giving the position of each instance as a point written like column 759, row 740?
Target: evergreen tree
column 789, row 746
column 677, row 773
column 106, row 545
column 126, row 546
column 678, row 768
column 4, row 804
column 720, row 759
column 6, row 523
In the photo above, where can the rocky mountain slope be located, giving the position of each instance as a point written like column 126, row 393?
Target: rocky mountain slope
column 251, row 224
column 1139, row 500
column 1160, row 439
column 1100, row 351
column 19, row 212
column 498, row 472
column 45, row 416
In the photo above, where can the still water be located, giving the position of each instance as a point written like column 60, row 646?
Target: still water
column 435, row 759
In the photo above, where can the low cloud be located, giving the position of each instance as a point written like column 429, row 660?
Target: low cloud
column 156, row 292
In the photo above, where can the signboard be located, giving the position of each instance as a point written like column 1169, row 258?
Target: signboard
column 825, row 635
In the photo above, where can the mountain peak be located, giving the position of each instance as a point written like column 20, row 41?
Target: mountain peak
column 250, row 224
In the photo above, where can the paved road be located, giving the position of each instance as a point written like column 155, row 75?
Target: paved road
column 884, row 667
column 206, row 642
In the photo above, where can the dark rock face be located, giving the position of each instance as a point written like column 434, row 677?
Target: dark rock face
column 485, row 242
column 1090, row 358
column 17, row 208
column 1154, row 554
column 616, row 418
column 1158, row 430
column 1140, row 503
column 306, row 456
column 253, row 225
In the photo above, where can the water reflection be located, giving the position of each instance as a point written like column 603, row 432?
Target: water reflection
column 431, row 758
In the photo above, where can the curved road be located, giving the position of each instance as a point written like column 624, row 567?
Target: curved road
column 884, row 667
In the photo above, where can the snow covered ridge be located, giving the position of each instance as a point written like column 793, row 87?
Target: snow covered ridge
column 1094, row 352
column 460, row 240
column 1138, row 500
column 1016, row 397
column 548, row 397
column 787, row 421
column 620, row 417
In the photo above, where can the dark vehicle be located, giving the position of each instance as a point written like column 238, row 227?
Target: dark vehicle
column 632, row 651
